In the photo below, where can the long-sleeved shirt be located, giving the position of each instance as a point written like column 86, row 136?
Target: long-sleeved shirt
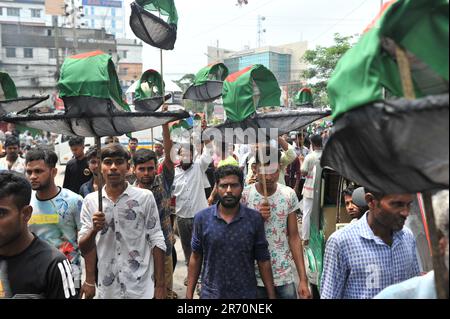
column 124, row 246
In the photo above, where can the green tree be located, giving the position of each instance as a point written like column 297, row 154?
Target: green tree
column 186, row 81
column 321, row 63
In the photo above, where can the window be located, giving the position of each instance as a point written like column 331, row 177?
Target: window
column 49, row 32
column 92, row 23
column 35, row 13
column 1, row 11
column 52, row 53
column 92, row 11
column 124, row 54
column 113, row 12
column 113, row 24
column 10, row 52
column 13, row 12
column 27, row 52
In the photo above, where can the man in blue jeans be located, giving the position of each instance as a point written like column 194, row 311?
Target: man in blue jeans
column 227, row 239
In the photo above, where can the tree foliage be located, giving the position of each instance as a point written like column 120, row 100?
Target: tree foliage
column 321, row 63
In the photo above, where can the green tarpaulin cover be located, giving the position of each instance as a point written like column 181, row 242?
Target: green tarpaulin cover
column 213, row 72
column 421, row 27
column 208, row 83
column 303, row 97
column 165, row 7
column 7, row 87
column 249, row 89
column 150, row 85
column 91, row 74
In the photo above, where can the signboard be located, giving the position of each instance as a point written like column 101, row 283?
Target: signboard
column 54, row 7
column 103, row 3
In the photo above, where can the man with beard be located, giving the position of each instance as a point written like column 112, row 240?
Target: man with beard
column 29, row 267
column 227, row 239
column 12, row 161
column 145, row 166
column 278, row 210
column 74, row 175
column 189, row 190
column 375, row 252
column 56, row 210
column 126, row 235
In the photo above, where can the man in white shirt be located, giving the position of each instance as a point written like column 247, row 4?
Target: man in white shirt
column 188, row 188
column 308, row 170
column 127, row 235
column 12, row 161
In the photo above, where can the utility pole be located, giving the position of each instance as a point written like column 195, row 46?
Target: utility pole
column 74, row 27
column 55, row 25
column 260, row 29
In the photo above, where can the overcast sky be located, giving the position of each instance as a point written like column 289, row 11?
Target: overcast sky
column 203, row 22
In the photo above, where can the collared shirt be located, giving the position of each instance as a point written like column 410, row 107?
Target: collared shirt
column 18, row 166
column 309, row 165
column 124, row 246
column 229, row 252
column 161, row 191
column 188, row 187
column 423, row 287
column 57, row 221
column 282, row 203
column 87, row 188
column 358, row 264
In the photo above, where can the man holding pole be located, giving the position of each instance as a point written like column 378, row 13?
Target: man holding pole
column 126, row 234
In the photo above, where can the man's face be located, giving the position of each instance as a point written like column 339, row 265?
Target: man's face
column 114, row 170
column 13, row 221
column 132, row 145
column 229, row 191
column 353, row 210
column 159, row 150
column 77, row 151
column 145, row 173
column 40, row 175
column 270, row 173
column 12, row 151
column 392, row 210
column 93, row 165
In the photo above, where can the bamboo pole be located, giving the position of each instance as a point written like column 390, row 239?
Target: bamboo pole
column 100, row 176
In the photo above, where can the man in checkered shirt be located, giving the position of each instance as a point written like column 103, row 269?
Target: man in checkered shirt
column 377, row 251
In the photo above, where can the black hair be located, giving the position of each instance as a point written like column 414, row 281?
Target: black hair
column 12, row 140
column 143, row 156
column 306, row 142
column 114, row 150
column 316, row 140
column 228, row 170
column 91, row 152
column 76, row 140
column 377, row 195
column 41, row 153
column 133, row 139
column 349, row 190
column 266, row 155
column 16, row 185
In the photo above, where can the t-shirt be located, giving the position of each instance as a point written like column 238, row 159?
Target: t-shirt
column 40, row 271
column 74, row 176
column 57, row 221
column 282, row 203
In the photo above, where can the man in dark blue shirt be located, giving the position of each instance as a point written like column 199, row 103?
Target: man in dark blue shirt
column 227, row 239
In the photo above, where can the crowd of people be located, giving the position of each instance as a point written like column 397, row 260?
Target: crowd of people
column 242, row 221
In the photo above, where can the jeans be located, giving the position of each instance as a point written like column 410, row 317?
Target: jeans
column 185, row 228
column 282, row 292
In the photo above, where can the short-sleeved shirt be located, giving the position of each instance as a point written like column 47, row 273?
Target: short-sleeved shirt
column 358, row 264
column 161, row 191
column 309, row 166
column 18, row 166
column 39, row 272
column 229, row 252
column 57, row 221
column 124, row 246
column 282, row 203
column 74, row 175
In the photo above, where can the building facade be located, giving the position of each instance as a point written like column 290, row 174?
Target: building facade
column 29, row 54
column 284, row 61
column 130, row 61
column 30, row 12
column 106, row 14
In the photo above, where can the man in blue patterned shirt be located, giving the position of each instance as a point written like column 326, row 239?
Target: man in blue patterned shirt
column 227, row 239
column 375, row 252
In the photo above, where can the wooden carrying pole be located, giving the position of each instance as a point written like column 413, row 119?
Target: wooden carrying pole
column 440, row 270
column 98, row 145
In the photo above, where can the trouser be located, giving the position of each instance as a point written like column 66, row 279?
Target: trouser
column 307, row 209
column 282, row 292
column 185, row 228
